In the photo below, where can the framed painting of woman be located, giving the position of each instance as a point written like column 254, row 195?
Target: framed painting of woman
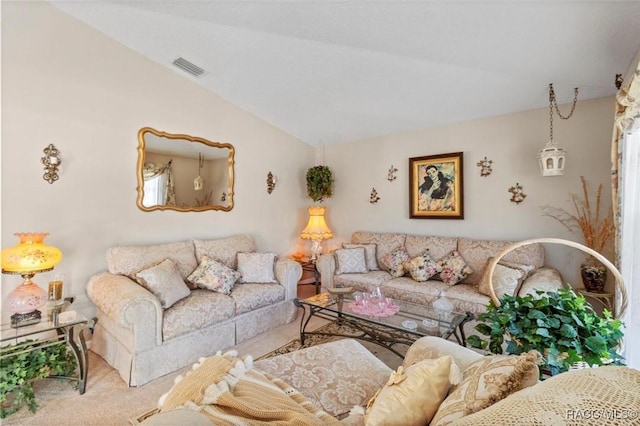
column 435, row 187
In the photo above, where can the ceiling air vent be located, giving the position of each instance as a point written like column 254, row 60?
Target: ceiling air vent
column 187, row 66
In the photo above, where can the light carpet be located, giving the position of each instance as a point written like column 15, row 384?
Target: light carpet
column 109, row 401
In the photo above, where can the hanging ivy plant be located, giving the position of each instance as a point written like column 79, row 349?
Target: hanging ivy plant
column 20, row 367
column 319, row 183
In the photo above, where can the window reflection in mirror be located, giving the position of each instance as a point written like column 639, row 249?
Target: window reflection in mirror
column 183, row 173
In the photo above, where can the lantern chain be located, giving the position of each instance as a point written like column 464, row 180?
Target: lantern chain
column 553, row 103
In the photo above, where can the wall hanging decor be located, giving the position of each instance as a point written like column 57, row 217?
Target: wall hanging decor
column 517, row 195
column 552, row 158
column 51, row 162
column 485, row 167
column 373, row 198
column 271, row 182
column 435, row 187
column 392, row 174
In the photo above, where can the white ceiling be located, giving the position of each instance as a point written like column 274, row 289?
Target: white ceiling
column 339, row 71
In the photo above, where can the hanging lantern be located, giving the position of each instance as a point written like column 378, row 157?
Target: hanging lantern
column 552, row 158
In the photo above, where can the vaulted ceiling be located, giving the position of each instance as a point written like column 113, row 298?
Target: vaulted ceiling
column 339, row 71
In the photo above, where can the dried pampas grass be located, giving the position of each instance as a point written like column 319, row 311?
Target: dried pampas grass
column 596, row 229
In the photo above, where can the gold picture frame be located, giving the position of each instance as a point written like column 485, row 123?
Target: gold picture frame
column 436, row 187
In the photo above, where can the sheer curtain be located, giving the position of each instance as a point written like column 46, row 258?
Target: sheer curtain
column 625, row 182
column 159, row 186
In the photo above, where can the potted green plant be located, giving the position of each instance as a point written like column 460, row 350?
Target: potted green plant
column 20, row 367
column 561, row 325
column 319, row 183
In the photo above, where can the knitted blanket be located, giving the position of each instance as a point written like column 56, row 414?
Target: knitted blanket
column 229, row 391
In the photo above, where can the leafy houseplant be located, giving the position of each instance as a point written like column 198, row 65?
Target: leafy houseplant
column 21, row 366
column 319, row 183
column 561, row 325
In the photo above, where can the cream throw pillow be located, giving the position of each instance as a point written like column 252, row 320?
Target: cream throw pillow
column 369, row 254
column 165, row 282
column 507, row 278
column 350, row 261
column 486, row 381
column 257, row 267
column 411, row 396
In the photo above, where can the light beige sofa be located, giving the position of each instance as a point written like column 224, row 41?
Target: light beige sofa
column 143, row 341
column 493, row 390
column 464, row 296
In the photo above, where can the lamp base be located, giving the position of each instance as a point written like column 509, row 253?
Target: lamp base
column 21, row 320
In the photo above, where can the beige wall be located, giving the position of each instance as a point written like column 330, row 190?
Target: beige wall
column 512, row 142
column 67, row 84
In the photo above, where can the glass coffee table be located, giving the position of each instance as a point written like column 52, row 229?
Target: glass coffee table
column 411, row 321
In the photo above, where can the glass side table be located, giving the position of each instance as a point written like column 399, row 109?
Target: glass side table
column 61, row 325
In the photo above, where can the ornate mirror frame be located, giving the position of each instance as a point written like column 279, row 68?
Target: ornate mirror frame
column 228, row 196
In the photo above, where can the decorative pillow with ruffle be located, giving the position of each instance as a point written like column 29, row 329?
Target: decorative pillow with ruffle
column 394, row 262
column 454, row 268
column 422, row 267
column 214, row 276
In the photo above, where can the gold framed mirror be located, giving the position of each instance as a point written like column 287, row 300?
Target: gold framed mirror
column 183, row 173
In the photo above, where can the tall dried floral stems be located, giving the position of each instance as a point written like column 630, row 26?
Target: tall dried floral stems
column 596, row 230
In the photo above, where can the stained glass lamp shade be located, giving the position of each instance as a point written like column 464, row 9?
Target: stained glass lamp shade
column 30, row 256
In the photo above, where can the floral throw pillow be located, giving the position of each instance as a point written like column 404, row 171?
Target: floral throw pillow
column 214, row 276
column 394, row 261
column 422, row 267
column 454, row 268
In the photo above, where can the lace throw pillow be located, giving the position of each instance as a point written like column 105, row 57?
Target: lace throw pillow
column 214, row 276
column 394, row 262
column 164, row 281
column 257, row 267
column 454, row 268
column 369, row 254
column 422, row 267
column 350, row 261
column 507, row 278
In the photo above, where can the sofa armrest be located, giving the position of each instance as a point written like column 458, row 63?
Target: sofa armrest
column 326, row 265
column 288, row 273
column 543, row 279
column 432, row 347
column 128, row 305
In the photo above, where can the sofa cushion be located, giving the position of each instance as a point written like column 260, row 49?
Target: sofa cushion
column 224, row 250
column 200, row 309
column 505, row 280
column 165, row 282
column 567, row 399
column 454, row 268
column 466, row 298
column 477, row 253
column 422, row 267
column 214, row 276
column 394, row 262
column 350, row 260
column 411, row 396
column 363, row 282
column 257, row 267
column 486, row 381
column 385, row 242
column 438, row 246
column 249, row 297
column 127, row 260
column 370, row 251
column 409, row 290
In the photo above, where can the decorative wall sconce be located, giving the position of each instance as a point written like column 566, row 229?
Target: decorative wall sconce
column 51, row 162
column 198, row 182
column 551, row 158
column 373, row 198
column 517, row 195
column 485, row 167
column 391, row 175
column 271, row 182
